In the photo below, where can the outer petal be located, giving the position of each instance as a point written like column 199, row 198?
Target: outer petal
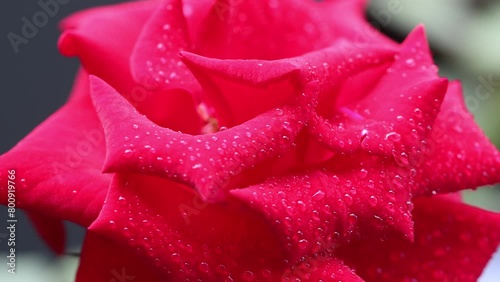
column 86, row 35
column 396, row 116
column 103, row 260
column 453, row 242
column 321, row 209
column 156, row 52
column 60, row 162
column 51, row 230
column 321, row 268
column 458, row 154
column 241, row 89
column 208, row 162
column 239, row 29
column 168, row 226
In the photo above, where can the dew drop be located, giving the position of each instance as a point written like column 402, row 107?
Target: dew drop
column 203, row 267
column 418, row 112
column 409, row 206
column 348, row 199
column 393, row 136
column 248, row 276
column 303, row 243
column 161, row 47
column 318, row 196
column 410, row 62
column 175, row 257
column 401, row 159
column 301, row 205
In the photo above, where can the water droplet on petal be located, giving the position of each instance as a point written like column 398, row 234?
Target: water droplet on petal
column 393, row 136
column 363, row 173
column 318, row 196
column 410, row 62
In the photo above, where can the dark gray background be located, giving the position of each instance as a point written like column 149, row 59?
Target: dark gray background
column 35, row 83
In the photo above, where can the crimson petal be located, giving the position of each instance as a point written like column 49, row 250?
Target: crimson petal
column 167, row 225
column 458, row 154
column 60, row 162
column 156, row 53
column 241, row 89
column 320, row 268
column 322, row 208
column 453, row 242
column 103, row 260
column 51, row 230
column 205, row 161
column 86, row 35
column 239, row 29
column 411, row 93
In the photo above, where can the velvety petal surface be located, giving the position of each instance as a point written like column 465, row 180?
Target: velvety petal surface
column 156, row 52
column 453, row 242
column 240, row 89
column 239, row 29
column 352, row 199
column 320, row 268
column 411, row 94
column 58, row 165
column 207, row 162
column 103, row 260
column 458, row 154
column 51, row 230
column 86, row 35
column 168, row 226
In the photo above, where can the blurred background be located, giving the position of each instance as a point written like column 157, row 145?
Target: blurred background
column 464, row 36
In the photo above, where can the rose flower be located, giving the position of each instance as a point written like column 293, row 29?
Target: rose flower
column 265, row 140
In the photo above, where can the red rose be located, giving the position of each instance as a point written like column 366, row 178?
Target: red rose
column 257, row 141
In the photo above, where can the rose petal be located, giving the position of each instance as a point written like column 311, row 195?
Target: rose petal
column 156, row 52
column 241, row 89
column 137, row 145
column 238, row 90
column 51, row 230
column 86, row 35
column 103, row 260
column 321, row 268
column 453, row 242
column 458, row 154
column 60, row 162
column 411, row 93
column 240, row 29
column 167, row 225
column 319, row 209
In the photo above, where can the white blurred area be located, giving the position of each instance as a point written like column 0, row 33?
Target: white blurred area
column 33, row 267
column 492, row 271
